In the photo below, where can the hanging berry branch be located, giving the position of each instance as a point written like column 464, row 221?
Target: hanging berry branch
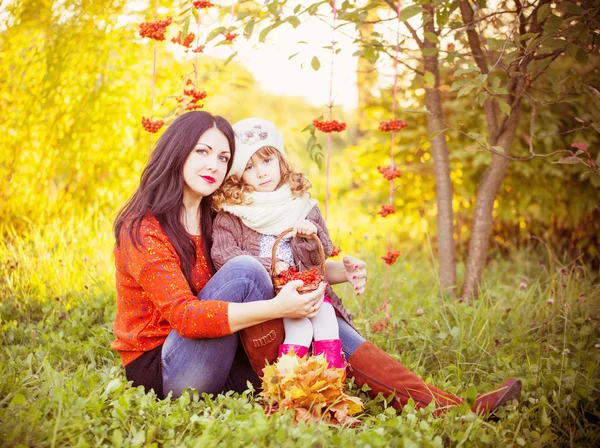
column 155, row 30
column 390, row 173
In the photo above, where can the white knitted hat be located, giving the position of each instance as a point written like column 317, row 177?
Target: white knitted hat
column 252, row 134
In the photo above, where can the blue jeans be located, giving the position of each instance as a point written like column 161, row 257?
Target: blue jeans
column 215, row 365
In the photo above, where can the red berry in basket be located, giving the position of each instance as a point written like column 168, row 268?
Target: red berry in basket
column 151, row 125
column 394, row 124
column 389, row 173
column 329, row 126
column 391, row 257
column 386, row 209
column 310, row 277
column 156, row 29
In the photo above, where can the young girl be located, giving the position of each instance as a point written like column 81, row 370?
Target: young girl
column 262, row 197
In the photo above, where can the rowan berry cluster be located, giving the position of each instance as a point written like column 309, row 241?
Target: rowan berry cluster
column 199, row 4
column 389, row 173
column 230, row 36
column 199, row 49
column 155, row 30
column 187, row 42
column 329, row 126
column 151, row 125
column 392, row 125
column 336, row 251
column 192, row 96
column 310, row 277
column 386, row 209
column 391, row 257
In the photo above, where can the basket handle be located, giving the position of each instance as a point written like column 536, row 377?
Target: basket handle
column 280, row 237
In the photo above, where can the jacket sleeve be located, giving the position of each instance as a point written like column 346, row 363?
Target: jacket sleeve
column 227, row 233
column 306, row 251
column 156, row 268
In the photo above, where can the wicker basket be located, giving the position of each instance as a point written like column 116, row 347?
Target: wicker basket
column 302, row 289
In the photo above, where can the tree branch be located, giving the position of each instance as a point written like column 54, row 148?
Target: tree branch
column 412, row 31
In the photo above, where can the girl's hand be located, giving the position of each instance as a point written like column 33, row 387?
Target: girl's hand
column 280, row 266
column 292, row 304
column 304, row 228
column 356, row 273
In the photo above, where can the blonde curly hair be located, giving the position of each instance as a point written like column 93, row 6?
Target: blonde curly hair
column 234, row 191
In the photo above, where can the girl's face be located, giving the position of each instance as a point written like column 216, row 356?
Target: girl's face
column 263, row 173
column 205, row 168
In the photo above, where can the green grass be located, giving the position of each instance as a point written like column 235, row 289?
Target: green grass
column 61, row 385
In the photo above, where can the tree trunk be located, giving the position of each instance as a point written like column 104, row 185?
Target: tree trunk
column 441, row 166
column 489, row 187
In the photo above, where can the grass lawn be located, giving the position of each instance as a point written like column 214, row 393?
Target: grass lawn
column 536, row 319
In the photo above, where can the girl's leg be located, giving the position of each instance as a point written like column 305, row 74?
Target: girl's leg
column 325, row 325
column 298, row 336
column 205, row 364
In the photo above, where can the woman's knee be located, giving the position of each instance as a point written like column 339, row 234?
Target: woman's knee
column 250, row 276
column 248, row 267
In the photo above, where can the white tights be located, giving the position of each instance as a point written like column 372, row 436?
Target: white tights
column 321, row 327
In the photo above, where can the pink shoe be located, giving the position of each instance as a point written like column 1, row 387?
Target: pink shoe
column 299, row 350
column 332, row 349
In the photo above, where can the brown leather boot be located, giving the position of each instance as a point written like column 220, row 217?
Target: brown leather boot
column 261, row 343
column 488, row 402
column 370, row 364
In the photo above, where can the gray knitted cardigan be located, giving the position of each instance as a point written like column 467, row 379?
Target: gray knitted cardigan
column 232, row 238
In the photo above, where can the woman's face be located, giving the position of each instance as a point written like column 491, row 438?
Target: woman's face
column 206, row 166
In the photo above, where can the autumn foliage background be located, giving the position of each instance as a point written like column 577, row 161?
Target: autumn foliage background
column 75, row 81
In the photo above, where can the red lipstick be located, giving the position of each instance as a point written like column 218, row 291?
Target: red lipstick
column 209, row 179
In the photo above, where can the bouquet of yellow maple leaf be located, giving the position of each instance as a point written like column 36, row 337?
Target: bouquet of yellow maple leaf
column 311, row 389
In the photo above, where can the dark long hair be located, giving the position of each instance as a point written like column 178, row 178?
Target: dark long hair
column 161, row 189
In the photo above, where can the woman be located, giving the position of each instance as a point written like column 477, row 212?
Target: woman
column 177, row 320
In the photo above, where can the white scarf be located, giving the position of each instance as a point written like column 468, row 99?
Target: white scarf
column 272, row 213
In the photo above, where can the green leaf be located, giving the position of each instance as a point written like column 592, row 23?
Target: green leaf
column 459, row 83
column 214, row 33
column 466, row 89
column 18, row 400
column 430, row 51
column 504, row 106
column 248, row 29
column 543, row 12
column 315, row 64
column 431, row 37
column 471, row 395
column 293, row 56
column 429, row 80
column 410, row 11
column 462, row 71
column 186, row 27
column 293, row 20
column 230, row 58
column 263, row 34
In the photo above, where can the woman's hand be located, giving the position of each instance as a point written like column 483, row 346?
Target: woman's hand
column 280, row 266
column 304, row 227
column 355, row 271
column 290, row 303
